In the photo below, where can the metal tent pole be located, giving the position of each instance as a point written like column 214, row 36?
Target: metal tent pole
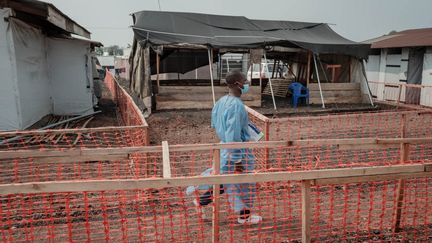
column 319, row 82
column 324, row 71
column 211, row 73
column 367, row 82
column 269, row 78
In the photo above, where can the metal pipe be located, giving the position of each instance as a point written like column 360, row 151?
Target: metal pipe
column 319, row 82
column 367, row 83
column 52, row 125
column 211, row 74
column 269, row 78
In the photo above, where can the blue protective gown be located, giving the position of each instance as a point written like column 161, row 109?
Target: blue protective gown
column 230, row 120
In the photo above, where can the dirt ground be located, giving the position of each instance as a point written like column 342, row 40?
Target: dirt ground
column 193, row 126
column 181, row 127
column 284, row 108
column 108, row 116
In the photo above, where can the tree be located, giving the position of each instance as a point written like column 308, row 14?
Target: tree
column 99, row 51
column 114, row 50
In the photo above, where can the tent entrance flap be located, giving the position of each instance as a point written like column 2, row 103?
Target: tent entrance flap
column 414, row 76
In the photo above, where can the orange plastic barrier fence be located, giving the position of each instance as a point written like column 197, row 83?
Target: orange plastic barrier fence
column 103, row 194
column 354, row 125
column 130, row 113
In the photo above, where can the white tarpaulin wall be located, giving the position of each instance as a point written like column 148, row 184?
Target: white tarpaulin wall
column 373, row 72
column 358, row 75
column 393, row 68
column 40, row 76
column 71, row 86
column 9, row 107
column 32, row 75
column 426, row 93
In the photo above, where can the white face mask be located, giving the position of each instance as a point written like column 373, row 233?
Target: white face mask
column 245, row 89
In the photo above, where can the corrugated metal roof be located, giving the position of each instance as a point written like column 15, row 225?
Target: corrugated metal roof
column 45, row 11
column 406, row 38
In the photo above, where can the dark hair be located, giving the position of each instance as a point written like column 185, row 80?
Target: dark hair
column 235, row 76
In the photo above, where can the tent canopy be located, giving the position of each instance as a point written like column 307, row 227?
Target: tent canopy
column 217, row 31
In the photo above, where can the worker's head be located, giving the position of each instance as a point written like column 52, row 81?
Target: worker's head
column 237, row 83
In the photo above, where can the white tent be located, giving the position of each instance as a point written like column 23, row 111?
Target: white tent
column 400, row 67
column 40, row 74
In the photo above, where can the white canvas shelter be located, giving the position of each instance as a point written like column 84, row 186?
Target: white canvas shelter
column 40, row 74
column 400, row 59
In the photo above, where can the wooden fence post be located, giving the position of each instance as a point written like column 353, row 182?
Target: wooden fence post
column 306, row 211
column 157, row 70
column 166, row 165
column 399, row 96
column 216, row 192
column 404, row 156
column 267, row 138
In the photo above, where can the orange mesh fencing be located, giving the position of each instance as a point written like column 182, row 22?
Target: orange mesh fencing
column 129, row 112
column 354, row 125
column 31, row 169
column 68, row 195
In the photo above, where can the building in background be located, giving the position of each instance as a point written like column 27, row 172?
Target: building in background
column 44, row 69
column 400, row 67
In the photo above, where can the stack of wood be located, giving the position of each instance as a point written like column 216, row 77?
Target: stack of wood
column 336, row 93
column 280, row 87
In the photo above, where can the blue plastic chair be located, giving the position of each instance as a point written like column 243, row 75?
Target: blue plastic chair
column 299, row 91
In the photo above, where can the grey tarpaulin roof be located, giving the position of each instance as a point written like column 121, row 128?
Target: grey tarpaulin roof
column 167, row 28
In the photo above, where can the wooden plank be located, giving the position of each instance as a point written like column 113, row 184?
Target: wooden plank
column 353, row 147
column 404, row 140
column 204, row 147
column 180, row 105
column 402, row 84
column 339, row 142
column 106, row 152
column 216, row 197
column 157, row 70
column 256, row 114
column 399, row 204
column 334, row 86
column 404, row 150
column 280, row 87
column 71, row 131
column 336, row 93
column 141, row 184
column 337, row 100
column 100, row 152
column 362, row 179
column 306, row 212
column 411, row 107
column 267, row 138
column 179, row 97
column 166, row 164
column 341, row 116
column 308, row 71
column 76, row 159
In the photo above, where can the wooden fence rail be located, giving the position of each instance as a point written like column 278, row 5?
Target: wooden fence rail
column 307, row 178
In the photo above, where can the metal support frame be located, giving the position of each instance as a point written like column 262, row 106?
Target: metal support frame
column 210, row 57
column 319, row 82
column 367, row 83
column 270, row 82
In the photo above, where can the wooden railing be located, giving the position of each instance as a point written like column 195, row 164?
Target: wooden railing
column 307, row 178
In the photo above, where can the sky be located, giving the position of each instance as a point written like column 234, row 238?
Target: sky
column 358, row 20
